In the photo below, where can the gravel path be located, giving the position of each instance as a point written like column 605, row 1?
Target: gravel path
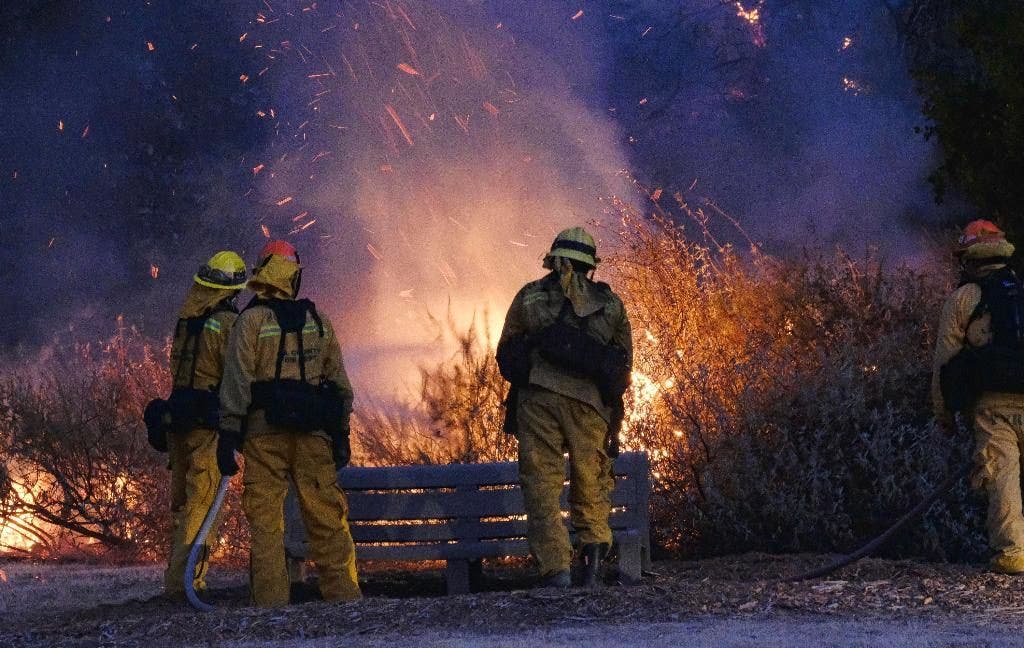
column 730, row 601
column 706, row 632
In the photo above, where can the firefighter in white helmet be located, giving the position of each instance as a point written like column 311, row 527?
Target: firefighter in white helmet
column 566, row 348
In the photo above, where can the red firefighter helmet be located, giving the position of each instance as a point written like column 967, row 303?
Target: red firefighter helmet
column 982, row 239
column 280, row 248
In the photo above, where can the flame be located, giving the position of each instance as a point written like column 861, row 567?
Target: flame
column 752, row 16
column 16, row 529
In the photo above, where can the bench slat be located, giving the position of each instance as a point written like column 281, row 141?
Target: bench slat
column 442, row 531
column 434, row 505
column 452, row 475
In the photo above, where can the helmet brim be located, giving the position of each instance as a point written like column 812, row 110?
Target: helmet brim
column 988, row 250
column 575, row 255
column 209, row 284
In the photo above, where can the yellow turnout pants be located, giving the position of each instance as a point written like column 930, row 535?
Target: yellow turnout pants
column 999, row 437
column 550, row 425
column 270, row 460
column 194, row 480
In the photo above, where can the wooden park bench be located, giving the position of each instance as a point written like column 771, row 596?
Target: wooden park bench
column 461, row 513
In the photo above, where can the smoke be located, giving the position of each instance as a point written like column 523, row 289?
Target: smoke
column 798, row 118
column 437, row 158
column 422, row 154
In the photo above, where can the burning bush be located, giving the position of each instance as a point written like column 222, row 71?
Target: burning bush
column 80, row 478
column 785, row 403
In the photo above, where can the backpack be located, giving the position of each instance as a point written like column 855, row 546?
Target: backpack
column 999, row 365
column 1002, row 297
column 299, row 405
column 187, row 408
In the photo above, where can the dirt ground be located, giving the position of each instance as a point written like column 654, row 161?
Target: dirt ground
column 733, row 601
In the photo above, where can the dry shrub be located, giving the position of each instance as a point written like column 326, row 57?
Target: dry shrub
column 77, row 477
column 458, row 420
column 81, row 479
column 785, row 403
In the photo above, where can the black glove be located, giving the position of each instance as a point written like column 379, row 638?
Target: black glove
column 227, row 444
column 156, row 430
column 341, row 449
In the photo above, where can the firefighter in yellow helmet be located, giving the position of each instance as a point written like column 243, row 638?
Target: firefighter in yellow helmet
column 979, row 353
column 185, row 425
column 566, row 348
column 285, row 404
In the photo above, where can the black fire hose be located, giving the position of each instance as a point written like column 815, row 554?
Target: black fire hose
column 872, row 546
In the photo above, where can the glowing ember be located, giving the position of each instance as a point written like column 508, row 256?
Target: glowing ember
column 150, row 46
column 752, row 15
column 154, row 270
column 847, row 43
column 578, row 15
column 408, row 69
column 850, row 85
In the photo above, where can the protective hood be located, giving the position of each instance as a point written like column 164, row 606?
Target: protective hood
column 999, row 248
column 579, row 290
column 202, row 299
column 278, row 278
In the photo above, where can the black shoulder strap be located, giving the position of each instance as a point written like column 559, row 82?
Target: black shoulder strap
column 194, row 327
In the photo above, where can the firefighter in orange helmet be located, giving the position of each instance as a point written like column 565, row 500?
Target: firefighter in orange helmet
column 976, row 370
column 285, row 404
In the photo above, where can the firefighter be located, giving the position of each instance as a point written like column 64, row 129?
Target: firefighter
column 185, row 424
column 285, row 404
column 566, row 348
column 975, row 371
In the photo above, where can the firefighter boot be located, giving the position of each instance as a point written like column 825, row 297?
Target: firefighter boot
column 559, row 579
column 591, row 556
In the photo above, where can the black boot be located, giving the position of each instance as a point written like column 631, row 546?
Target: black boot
column 559, row 579
column 591, row 556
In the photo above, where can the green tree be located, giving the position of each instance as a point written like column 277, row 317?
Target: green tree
column 970, row 69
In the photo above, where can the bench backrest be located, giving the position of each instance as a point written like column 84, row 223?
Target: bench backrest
column 469, row 502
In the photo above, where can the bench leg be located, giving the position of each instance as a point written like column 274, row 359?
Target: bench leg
column 630, row 560
column 461, row 575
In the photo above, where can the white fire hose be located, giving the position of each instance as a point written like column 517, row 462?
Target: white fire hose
column 197, row 548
